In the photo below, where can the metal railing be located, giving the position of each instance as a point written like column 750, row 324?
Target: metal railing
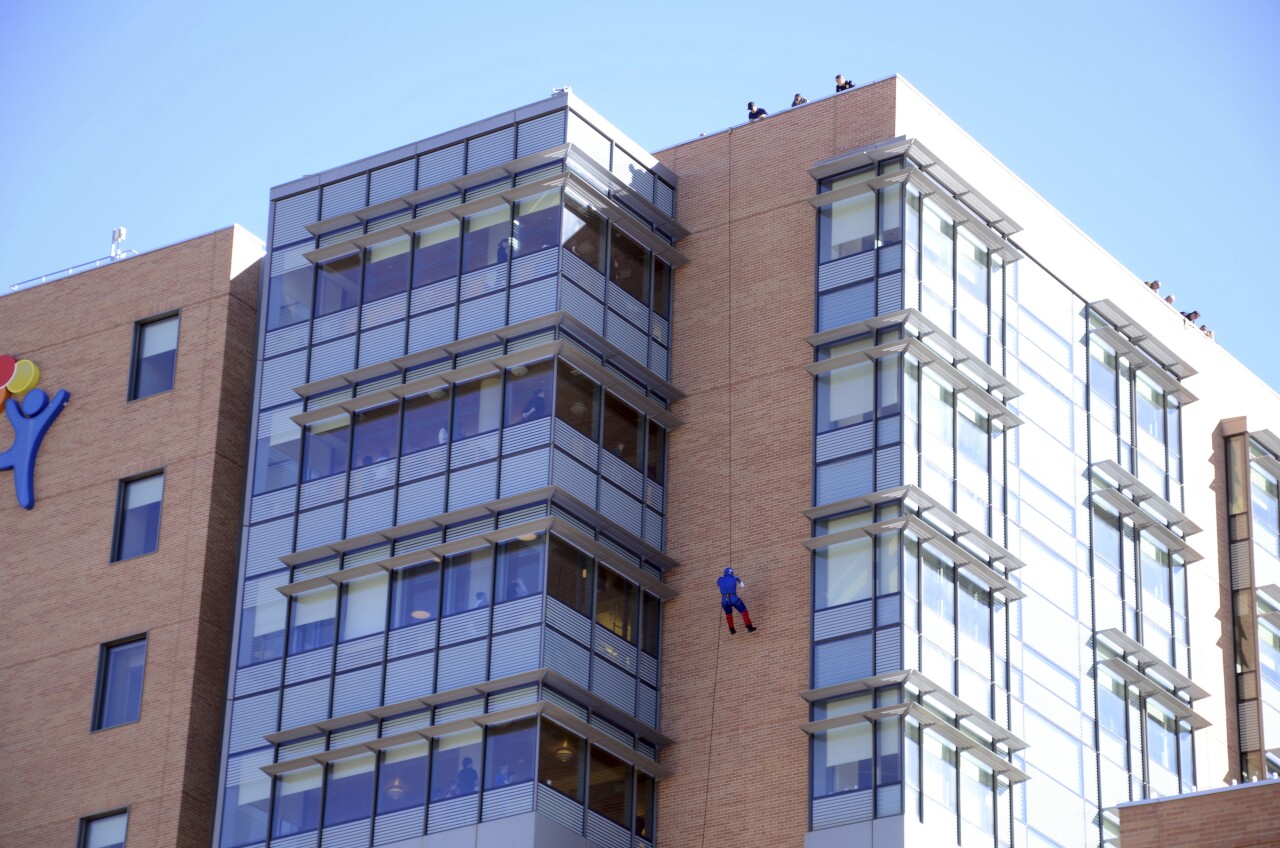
column 74, row 269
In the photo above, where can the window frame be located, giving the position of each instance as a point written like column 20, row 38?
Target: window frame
column 135, row 356
column 122, row 486
column 99, row 687
column 82, row 837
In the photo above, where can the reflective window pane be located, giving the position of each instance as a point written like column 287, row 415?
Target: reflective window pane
column 374, row 435
column 402, row 778
column 435, row 254
column 105, row 832
column 467, row 579
column 155, row 357
column 846, row 396
column 569, row 575
column 138, row 522
column 584, row 232
column 561, row 760
column 577, row 400
column 454, row 765
column 289, row 297
column 297, row 807
column 415, row 595
column 537, row 223
column 364, row 607
column 661, row 288
column 486, row 238
column 529, row 392
column 656, row 455
column 623, row 430
column 120, row 684
column 386, row 270
column 509, row 753
column 426, row 421
column 628, row 262
column 325, row 447
column 609, row 793
column 338, row 285
column 616, row 599
column 312, row 624
column 278, row 452
column 477, row 406
column 349, row 795
column 520, row 568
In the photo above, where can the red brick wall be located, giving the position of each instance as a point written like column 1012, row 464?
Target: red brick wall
column 1245, row 816
column 63, row 595
column 743, row 307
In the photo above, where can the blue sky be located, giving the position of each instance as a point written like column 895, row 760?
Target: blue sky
column 1147, row 123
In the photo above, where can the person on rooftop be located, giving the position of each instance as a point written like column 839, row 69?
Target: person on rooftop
column 754, row 112
column 842, row 84
column 799, row 99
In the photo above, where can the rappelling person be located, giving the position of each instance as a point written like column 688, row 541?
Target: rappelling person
column 728, row 584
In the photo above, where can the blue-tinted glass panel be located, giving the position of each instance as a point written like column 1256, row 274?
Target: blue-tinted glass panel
column 537, row 223
column 313, row 620
column 120, row 687
column 415, row 595
column 349, row 796
column 477, row 407
column 289, row 297
column 338, row 285
column 623, row 430
column 569, row 575
column 584, row 232
column 520, row 567
column 529, row 391
column 138, row 526
column 486, row 238
column 426, row 421
column 454, row 765
column 402, row 779
column 325, row 449
column 262, row 631
column 156, row 355
column 375, row 434
column 386, row 270
column 435, row 254
column 628, row 263
column 277, row 453
column 246, row 812
column 509, row 753
column 106, row 832
column 467, row 581
column 297, row 807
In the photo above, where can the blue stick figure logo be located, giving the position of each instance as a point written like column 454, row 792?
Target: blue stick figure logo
column 31, row 412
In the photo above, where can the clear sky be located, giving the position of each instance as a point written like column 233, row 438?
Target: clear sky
column 1150, row 124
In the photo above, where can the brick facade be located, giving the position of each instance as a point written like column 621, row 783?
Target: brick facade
column 742, row 311
column 1244, row 816
column 63, row 595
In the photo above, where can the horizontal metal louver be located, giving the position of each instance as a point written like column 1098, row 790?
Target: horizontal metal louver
column 392, row 181
column 424, row 463
column 513, row 698
column 843, row 809
column 566, row 657
column 370, row 513
column 844, row 478
column 333, row 358
column 605, row 833
column 889, row 294
column 889, row 430
column 413, row 639
column 272, row 504
column 322, row 491
column 464, row 627
column 842, row 660
column 889, row 801
column 576, row 445
column 591, row 280
column 247, row 767
column 567, row 621
column 560, row 808
column 491, row 149
column 344, row 196
column 632, row 173
column 647, row 705
column 440, row 165
column 434, row 296
column 302, row 747
column 844, row 442
column 842, row 620
column 305, row 703
column 539, row 174
column 383, row 311
column 289, row 217
column 664, row 197
column 438, row 204
column 620, row 507
column 508, row 801
column 320, row 526
column 659, row 360
column 522, row 612
column 659, row 328
column 616, row 649
column 654, row 496
column 475, row 449
column 888, row 610
column 581, row 305
column 453, row 813
column 359, row 690
column 411, row 677
column 406, row 721
column 289, row 259
column 888, row 650
column 251, row 719
column 267, row 543
column 1241, row 564
column 462, row 665
column 300, row 840
column 525, row 472
column 613, row 684
column 371, row 478
column 540, row 133
column 360, row 652
column 386, row 222
column 522, row 437
column 285, row 339
column 433, row 329
column 335, row 324
column 888, row 467
column 353, row 834
column 516, row 652
column 483, row 314
column 257, row 678
column 423, row 499
column 849, row 269
column 846, row 306
column 1247, row 718
column 400, row 825
column 573, row 478
column 653, row 527
column 633, row 341
column 535, row 265
column 482, row 280
column 891, row 258
column 309, row 665
column 279, row 376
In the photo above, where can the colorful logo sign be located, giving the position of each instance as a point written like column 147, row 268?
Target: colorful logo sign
column 31, row 413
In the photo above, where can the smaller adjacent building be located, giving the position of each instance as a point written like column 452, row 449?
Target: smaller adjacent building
column 1240, row 816
column 118, row 578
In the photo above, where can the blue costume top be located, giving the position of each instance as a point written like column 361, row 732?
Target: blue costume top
column 728, row 584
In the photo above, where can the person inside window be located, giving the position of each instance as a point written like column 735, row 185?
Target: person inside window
column 754, row 112
column 536, row 407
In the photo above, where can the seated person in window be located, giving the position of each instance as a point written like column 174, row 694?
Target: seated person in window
column 536, row 407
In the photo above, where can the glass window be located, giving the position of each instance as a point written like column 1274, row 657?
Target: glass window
column 623, row 430
column 975, row 611
column 939, row 770
column 971, row 268
column 325, row 447
column 289, row 297
column 262, row 626
column 1149, row 406
column 426, row 421
column 938, row 590
column 415, row 595
column 120, row 673
column 477, row 407
column 312, row 625
column 537, row 223
column 402, row 778
column 138, row 517
column 467, row 581
column 891, row 215
column 338, row 284
column 661, row 288
column 888, row 754
column 529, row 391
column 104, row 831
column 609, row 794
column 278, row 450
column 616, row 604
column 646, row 803
column 939, row 236
column 847, row 226
column 628, row 261
column 977, row 784
column 842, row 760
column 509, row 753
column 578, row 401
column 889, row 382
column 569, row 575
column 843, row 572
column 1162, row 738
column 386, row 270
column 560, row 760
column 374, row 435
column 846, row 396
column 973, row 442
column 349, row 796
column 453, row 767
column 435, row 254
column 246, row 808
column 486, row 238
column 888, row 563
column 297, row 808
column 1102, row 373
column 155, row 355
column 364, row 607
column 912, row 220
column 520, row 567
column 1111, row 704
column 656, row 455
column 651, row 611
column 1155, row 570
column 584, row 231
